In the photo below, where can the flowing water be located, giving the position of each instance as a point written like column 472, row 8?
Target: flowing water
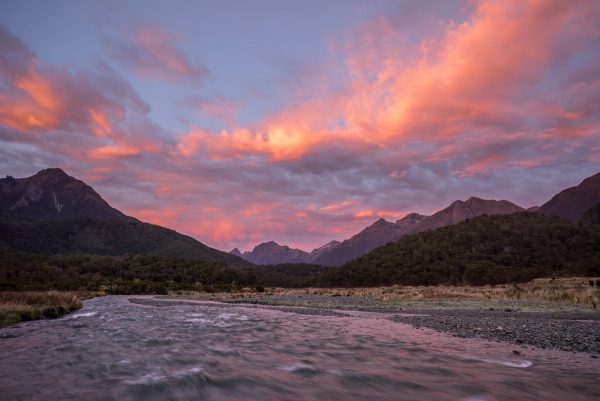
column 116, row 350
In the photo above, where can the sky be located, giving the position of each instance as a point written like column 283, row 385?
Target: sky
column 242, row 122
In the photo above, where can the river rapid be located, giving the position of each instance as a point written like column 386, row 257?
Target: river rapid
column 114, row 349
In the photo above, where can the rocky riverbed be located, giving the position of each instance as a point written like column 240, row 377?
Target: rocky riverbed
column 568, row 331
column 554, row 326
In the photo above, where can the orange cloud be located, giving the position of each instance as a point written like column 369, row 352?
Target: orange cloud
column 470, row 78
column 335, row 207
column 391, row 121
column 113, row 151
column 370, row 214
column 101, row 125
column 36, row 107
column 279, row 142
column 39, row 90
column 261, row 209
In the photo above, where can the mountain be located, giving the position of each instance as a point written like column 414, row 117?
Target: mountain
column 592, row 216
column 484, row 250
column 318, row 252
column 51, row 194
column 54, row 213
column 382, row 231
column 377, row 234
column 271, row 253
column 573, row 203
column 462, row 210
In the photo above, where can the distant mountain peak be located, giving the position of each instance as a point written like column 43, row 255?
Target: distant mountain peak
column 53, row 172
column 52, row 194
column 330, row 244
column 411, row 217
column 460, row 210
column 270, row 252
column 474, row 199
column 268, row 245
column 236, row 252
column 381, row 222
column 52, row 212
column 573, row 203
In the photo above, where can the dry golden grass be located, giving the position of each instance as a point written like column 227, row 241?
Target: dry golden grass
column 574, row 290
column 30, row 305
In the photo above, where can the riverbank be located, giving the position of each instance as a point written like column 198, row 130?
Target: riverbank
column 552, row 326
column 23, row 306
column 544, row 313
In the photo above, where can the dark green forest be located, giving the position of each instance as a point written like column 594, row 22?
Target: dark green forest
column 115, row 274
column 483, row 250
column 141, row 274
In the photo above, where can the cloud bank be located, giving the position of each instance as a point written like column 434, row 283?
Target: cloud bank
column 501, row 100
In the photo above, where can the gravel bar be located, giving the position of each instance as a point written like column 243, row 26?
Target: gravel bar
column 555, row 326
column 567, row 331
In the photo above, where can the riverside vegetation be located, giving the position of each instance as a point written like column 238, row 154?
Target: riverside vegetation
column 21, row 306
column 584, row 291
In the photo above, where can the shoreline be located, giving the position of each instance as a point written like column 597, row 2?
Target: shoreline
column 543, row 325
column 564, row 327
column 24, row 306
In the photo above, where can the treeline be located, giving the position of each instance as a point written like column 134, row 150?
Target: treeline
column 116, row 274
column 485, row 250
column 141, row 274
column 288, row 275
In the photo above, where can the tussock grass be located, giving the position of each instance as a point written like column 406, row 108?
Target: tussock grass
column 573, row 290
column 16, row 306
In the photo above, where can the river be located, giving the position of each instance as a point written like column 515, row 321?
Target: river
column 113, row 349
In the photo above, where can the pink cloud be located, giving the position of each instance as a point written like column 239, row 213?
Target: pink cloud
column 153, row 53
column 113, row 151
column 218, row 107
column 497, row 103
column 454, row 83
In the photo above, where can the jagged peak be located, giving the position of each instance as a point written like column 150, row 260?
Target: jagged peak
column 381, row 221
column 327, row 245
column 457, row 203
column 50, row 191
column 268, row 244
column 52, row 172
column 475, row 199
column 411, row 216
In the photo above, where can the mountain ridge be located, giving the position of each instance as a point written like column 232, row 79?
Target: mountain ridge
column 572, row 203
column 53, row 194
column 382, row 231
column 51, row 212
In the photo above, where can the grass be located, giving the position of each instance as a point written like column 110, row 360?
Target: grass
column 559, row 291
column 575, row 290
column 22, row 306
